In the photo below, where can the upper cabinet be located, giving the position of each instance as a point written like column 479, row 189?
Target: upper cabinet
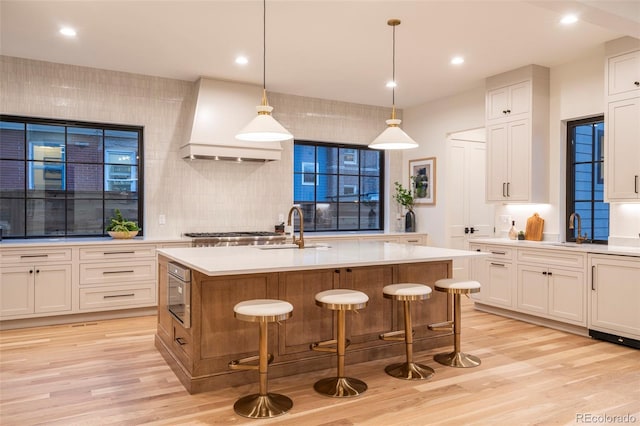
column 623, row 75
column 517, row 121
column 622, row 127
column 509, row 102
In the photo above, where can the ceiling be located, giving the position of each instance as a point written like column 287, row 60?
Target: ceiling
column 329, row 49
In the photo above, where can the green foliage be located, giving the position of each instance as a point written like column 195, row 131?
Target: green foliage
column 120, row 224
column 404, row 196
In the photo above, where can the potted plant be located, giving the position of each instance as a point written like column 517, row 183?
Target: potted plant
column 119, row 227
column 405, row 197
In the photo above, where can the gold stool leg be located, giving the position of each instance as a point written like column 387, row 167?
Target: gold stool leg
column 340, row 386
column 409, row 370
column 263, row 404
column 457, row 358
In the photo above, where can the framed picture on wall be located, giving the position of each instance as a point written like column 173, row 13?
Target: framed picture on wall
column 422, row 178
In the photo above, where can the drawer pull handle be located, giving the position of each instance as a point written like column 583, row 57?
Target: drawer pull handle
column 106, row 253
column 25, row 256
column 499, row 252
column 498, row 264
column 181, row 341
column 111, row 296
column 412, row 241
column 117, row 272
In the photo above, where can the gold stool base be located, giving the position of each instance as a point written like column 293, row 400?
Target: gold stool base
column 457, row 359
column 340, row 387
column 258, row 406
column 409, row 371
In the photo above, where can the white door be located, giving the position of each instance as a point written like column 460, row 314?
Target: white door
column 468, row 213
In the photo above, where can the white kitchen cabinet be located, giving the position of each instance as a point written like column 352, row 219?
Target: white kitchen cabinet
column 518, row 142
column 508, row 161
column 32, row 290
column 614, row 295
column 496, row 276
column 623, row 76
column 552, row 292
column 117, row 277
column 622, row 162
column 508, row 102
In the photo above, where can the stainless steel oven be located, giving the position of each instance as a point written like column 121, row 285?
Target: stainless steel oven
column 179, row 293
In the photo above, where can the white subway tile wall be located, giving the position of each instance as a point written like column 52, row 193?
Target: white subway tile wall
column 200, row 195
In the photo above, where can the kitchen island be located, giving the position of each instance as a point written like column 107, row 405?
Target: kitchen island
column 223, row 276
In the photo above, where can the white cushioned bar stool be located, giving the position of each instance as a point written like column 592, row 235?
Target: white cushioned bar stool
column 406, row 293
column 340, row 300
column 262, row 404
column 457, row 288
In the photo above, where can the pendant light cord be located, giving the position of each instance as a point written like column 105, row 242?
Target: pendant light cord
column 393, row 72
column 264, row 45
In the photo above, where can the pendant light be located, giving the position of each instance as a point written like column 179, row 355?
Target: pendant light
column 393, row 137
column 264, row 128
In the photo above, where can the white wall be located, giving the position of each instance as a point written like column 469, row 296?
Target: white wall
column 429, row 125
column 198, row 195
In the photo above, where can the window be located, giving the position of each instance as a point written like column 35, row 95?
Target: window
column 585, row 179
column 60, row 178
column 338, row 187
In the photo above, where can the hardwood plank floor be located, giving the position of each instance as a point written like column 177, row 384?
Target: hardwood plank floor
column 109, row 372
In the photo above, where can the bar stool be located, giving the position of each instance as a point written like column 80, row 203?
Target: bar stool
column 406, row 293
column 340, row 300
column 262, row 404
column 456, row 287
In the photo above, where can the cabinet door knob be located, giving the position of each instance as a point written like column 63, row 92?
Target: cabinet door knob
column 544, row 273
column 637, row 83
column 31, row 271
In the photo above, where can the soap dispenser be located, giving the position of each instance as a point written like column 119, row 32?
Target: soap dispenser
column 513, row 232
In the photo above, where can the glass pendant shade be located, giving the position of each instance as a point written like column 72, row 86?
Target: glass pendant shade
column 393, row 137
column 264, row 128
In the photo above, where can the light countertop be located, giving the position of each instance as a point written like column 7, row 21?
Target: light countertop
column 71, row 241
column 217, row 261
column 549, row 245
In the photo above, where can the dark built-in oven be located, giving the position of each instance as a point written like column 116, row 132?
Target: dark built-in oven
column 179, row 293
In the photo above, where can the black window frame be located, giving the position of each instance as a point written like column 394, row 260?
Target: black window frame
column 106, row 215
column 300, row 175
column 597, row 168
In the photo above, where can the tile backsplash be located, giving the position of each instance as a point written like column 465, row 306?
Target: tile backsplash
column 199, row 195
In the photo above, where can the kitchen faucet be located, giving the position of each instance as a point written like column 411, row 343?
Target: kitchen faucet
column 579, row 237
column 299, row 242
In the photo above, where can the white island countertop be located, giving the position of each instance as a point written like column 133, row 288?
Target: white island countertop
column 217, row 261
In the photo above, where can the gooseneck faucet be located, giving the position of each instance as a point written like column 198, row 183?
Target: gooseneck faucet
column 579, row 237
column 299, row 242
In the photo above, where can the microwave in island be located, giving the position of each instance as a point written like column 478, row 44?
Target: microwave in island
column 179, row 293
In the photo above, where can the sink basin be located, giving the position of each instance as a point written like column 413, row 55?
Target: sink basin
column 293, row 246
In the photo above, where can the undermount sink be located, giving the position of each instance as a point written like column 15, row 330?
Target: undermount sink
column 293, row 246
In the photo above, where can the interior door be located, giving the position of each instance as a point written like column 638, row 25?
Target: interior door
column 468, row 214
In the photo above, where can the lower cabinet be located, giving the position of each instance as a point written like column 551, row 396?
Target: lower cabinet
column 545, row 283
column 35, row 289
column 614, row 295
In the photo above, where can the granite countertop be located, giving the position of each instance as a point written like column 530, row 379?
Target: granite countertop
column 218, row 261
column 550, row 245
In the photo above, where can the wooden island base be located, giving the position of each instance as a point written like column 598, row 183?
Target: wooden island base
column 199, row 355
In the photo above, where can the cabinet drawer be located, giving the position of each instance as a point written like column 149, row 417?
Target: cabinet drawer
column 553, row 257
column 117, row 252
column 500, row 252
column 35, row 256
column 116, row 273
column 118, row 297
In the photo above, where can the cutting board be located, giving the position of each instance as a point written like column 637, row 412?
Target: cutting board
column 535, row 225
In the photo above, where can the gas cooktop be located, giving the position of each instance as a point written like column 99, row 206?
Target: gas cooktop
column 230, row 234
column 217, row 239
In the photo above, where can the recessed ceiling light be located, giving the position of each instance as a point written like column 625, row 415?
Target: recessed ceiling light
column 68, row 31
column 457, row 60
column 242, row 60
column 569, row 19
column 392, row 84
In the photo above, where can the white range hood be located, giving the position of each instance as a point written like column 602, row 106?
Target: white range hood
column 223, row 108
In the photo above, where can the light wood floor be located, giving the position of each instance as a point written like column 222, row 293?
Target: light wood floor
column 109, row 372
